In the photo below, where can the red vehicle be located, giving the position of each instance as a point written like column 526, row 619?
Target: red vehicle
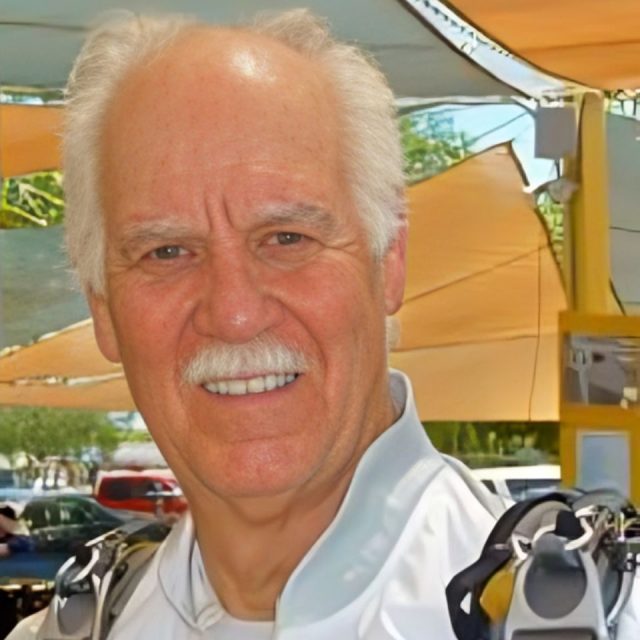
column 151, row 491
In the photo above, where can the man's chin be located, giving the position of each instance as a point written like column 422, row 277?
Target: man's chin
column 251, row 494
column 255, row 469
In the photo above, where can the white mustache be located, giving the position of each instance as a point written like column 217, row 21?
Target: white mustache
column 263, row 355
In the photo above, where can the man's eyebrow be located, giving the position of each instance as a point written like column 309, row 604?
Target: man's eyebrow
column 280, row 214
column 139, row 233
column 299, row 213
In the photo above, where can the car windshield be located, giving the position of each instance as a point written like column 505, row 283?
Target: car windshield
column 530, row 488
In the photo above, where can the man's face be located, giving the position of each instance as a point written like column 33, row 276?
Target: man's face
column 228, row 220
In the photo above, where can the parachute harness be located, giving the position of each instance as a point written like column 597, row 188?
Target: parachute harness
column 552, row 568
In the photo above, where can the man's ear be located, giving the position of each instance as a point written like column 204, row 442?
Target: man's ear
column 103, row 327
column 395, row 269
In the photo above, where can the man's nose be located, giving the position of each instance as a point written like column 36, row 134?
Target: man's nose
column 236, row 302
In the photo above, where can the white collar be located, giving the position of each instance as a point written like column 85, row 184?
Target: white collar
column 387, row 484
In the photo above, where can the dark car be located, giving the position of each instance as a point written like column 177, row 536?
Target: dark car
column 58, row 523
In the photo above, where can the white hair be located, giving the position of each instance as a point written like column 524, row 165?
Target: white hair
column 374, row 160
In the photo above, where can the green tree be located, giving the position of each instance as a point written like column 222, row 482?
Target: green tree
column 35, row 200
column 428, row 148
column 455, row 438
column 553, row 215
column 45, row 431
column 484, row 444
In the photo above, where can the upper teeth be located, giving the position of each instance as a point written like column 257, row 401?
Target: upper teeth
column 251, row 385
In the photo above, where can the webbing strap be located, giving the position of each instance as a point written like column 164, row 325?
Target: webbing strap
column 77, row 618
column 578, row 634
column 469, row 583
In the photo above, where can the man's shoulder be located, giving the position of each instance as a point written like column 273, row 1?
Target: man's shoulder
column 28, row 628
column 448, row 526
column 456, row 490
column 629, row 622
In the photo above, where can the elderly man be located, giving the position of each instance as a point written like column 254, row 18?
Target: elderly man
column 236, row 216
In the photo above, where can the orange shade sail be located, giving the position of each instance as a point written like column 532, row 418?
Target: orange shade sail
column 29, row 139
column 63, row 369
column 589, row 41
column 69, row 353
column 103, row 395
column 478, row 328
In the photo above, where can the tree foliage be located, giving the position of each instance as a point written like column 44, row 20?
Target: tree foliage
column 483, row 444
column 553, row 215
column 35, row 200
column 429, row 148
column 44, row 431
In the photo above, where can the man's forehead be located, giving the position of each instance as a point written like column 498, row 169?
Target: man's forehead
column 205, row 54
column 220, row 107
column 215, row 80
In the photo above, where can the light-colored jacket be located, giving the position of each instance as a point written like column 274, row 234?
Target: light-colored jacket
column 408, row 524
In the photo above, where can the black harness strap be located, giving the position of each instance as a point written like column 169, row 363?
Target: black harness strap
column 470, row 582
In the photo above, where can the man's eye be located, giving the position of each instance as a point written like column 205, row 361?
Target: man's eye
column 167, row 252
column 289, row 246
column 287, row 237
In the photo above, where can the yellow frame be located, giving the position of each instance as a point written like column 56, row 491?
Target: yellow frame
column 576, row 418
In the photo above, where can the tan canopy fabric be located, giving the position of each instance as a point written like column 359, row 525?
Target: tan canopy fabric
column 589, row 41
column 38, row 43
column 63, row 369
column 105, row 395
column 478, row 329
column 28, row 139
column 69, row 353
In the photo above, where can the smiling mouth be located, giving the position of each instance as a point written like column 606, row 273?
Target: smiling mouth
column 258, row 384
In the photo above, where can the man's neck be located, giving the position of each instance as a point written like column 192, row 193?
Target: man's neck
column 250, row 546
column 250, row 550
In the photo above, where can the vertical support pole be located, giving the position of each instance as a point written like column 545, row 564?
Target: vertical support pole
column 2, row 312
column 590, row 213
column 587, row 242
column 1, row 197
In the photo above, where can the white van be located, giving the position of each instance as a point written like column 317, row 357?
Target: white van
column 517, row 483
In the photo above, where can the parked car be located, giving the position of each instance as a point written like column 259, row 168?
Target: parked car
column 517, row 483
column 58, row 522
column 150, row 491
column 58, row 525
